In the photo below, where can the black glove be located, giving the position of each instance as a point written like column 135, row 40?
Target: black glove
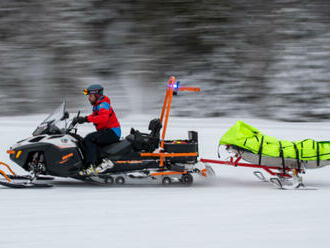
column 79, row 120
column 82, row 120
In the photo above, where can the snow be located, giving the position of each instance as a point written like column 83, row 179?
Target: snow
column 235, row 210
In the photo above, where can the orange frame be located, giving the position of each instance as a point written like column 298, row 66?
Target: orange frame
column 164, row 119
column 167, row 104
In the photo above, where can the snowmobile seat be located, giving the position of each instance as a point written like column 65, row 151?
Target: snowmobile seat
column 121, row 147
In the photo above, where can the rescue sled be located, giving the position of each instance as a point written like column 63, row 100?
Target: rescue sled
column 284, row 160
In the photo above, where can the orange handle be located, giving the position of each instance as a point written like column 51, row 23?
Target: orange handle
column 5, row 176
column 8, row 167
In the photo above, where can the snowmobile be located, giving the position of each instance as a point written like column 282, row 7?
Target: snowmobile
column 53, row 151
column 284, row 160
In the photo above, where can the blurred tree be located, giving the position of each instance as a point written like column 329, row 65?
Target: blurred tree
column 251, row 58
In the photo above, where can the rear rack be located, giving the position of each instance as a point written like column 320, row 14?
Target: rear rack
column 172, row 88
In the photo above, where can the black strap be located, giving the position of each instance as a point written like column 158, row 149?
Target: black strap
column 282, row 155
column 297, row 156
column 318, row 153
column 257, row 137
column 245, row 141
column 260, row 149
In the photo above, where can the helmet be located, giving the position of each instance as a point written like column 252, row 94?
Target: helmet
column 96, row 89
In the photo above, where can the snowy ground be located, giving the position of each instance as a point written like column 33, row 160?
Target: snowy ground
column 234, row 211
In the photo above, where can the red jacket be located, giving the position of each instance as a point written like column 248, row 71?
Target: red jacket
column 103, row 115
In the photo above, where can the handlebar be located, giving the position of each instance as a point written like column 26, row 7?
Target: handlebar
column 72, row 125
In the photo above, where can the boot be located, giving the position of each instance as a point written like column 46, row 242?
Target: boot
column 105, row 165
column 88, row 171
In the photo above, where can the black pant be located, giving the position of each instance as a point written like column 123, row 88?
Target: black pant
column 94, row 141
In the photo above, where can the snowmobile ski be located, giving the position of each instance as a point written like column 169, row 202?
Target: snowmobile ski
column 28, row 177
column 25, row 185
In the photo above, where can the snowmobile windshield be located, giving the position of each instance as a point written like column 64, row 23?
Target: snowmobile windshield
column 57, row 115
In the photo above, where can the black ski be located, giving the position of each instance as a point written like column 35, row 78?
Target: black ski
column 25, row 185
column 28, row 177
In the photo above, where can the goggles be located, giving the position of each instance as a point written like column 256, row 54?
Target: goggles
column 85, row 91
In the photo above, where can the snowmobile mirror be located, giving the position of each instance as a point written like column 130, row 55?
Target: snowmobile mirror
column 65, row 116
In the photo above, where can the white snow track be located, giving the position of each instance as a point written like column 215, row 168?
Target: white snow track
column 234, row 210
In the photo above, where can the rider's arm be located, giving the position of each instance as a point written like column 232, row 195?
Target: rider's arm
column 102, row 116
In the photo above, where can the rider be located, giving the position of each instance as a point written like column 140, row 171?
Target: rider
column 107, row 126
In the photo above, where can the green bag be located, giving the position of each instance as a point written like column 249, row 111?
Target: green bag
column 250, row 138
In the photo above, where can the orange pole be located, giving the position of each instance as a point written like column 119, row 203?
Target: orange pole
column 187, row 154
column 195, row 89
column 164, row 105
column 167, row 115
column 170, row 83
column 8, row 167
column 161, row 161
column 5, row 176
column 168, row 173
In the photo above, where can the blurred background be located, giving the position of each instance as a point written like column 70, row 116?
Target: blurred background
column 252, row 58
